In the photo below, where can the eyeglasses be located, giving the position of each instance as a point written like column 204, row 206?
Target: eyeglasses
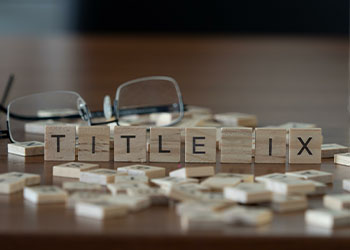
column 148, row 101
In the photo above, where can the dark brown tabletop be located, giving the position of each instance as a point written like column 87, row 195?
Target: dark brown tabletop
column 280, row 79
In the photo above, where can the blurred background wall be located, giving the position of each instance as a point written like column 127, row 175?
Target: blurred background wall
column 326, row 17
column 261, row 57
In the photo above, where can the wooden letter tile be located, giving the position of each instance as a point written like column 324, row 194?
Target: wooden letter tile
column 200, row 145
column 45, row 194
column 100, row 209
column 272, row 176
column 130, row 144
column 133, row 203
column 342, row 159
column 236, row 119
column 337, row 201
column 327, row 218
column 169, row 181
column 193, row 206
column 188, row 172
column 149, row 171
column 76, row 186
column 201, row 221
column 29, row 148
column 124, row 187
column 10, row 185
column 156, row 195
column 288, row 203
column 290, row 185
column 236, row 145
column 100, row 176
column 38, row 127
column 305, row 145
column 85, row 196
column 289, row 125
column 329, row 150
column 185, row 191
column 320, row 188
column 218, row 182
column 311, row 174
column 72, row 169
column 59, row 143
column 131, row 178
column 248, row 193
column 247, row 216
column 242, row 177
column 93, row 143
column 29, row 179
column 270, row 145
column 165, row 144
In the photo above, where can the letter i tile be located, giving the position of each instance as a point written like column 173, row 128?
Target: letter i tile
column 93, row 143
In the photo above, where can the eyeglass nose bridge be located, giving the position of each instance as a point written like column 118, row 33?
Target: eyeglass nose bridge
column 83, row 110
column 109, row 110
column 107, row 107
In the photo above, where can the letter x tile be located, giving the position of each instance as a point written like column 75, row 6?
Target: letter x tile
column 305, row 145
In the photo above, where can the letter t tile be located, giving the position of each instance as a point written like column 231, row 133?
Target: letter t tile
column 130, row 144
column 59, row 143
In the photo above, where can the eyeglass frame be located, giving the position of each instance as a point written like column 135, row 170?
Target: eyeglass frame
column 84, row 112
column 164, row 78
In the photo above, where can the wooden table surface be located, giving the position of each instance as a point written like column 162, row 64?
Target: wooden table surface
column 279, row 79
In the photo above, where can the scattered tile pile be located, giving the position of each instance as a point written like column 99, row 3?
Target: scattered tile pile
column 204, row 200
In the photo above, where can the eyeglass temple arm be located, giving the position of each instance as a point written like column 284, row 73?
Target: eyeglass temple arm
column 4, row 134
column 9, row 84
column 37, row 118
column 96, row 114
column 148, row 110
column 139, row 111
column 134, row 111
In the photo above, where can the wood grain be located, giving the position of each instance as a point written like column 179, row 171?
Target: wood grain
column 305, row 145
column 130, row 144
column 59, row 143
column 225, row 73
column 94, row 143
column 270, row 145
column 29, row 148
column 236, row 145
column 165, row 144
column 200, row 145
